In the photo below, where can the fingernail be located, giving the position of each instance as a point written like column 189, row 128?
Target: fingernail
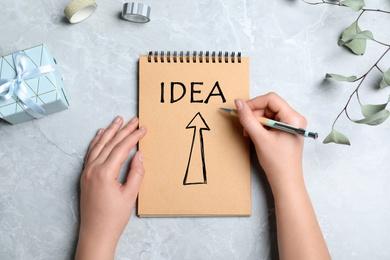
column 143, row 128
column 140, row 156
column 238, row 103
column 101, row 130
column 134, row 119
column 117, row 119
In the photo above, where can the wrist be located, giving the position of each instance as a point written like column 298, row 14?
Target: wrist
column 286, row 183
column 95, row 245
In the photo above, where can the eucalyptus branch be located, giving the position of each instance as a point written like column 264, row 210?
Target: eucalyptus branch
column 360, row 15
column 322, row 2
column 349, row 100
column 362, row 78
column 340, row 4
column 355, row 39
column 376, row 10
column 379, row 68
column 384, row 44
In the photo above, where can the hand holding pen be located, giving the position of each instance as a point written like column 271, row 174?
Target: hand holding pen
column 280, row 155
column 277, row 150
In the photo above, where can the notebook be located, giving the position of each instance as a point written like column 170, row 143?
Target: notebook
column 196, row 158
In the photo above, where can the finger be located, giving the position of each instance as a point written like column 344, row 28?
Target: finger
column 264, row 113
column 277, row 108
column 121, row 151
column 249, row 121
column 93, row 143
column 107, row 135
column 268, row 113
column 125, row 131
column 120, row 136
column 135, row 176
column 271, row 101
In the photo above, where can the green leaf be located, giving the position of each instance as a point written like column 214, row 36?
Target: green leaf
column 341, row 77
column 362, row 35
column 386, row 79
column 375, row 119
column 336, row 137
column 369, row 110
column 351, row 30
column 357, row 46
column 354, row 4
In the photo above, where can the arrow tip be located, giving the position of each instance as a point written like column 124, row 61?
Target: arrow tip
column 198, row 121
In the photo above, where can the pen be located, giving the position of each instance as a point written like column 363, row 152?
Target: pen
column 277, row 125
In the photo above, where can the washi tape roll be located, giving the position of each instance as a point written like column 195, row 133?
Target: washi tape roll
column 136, row 12
column 79, row 10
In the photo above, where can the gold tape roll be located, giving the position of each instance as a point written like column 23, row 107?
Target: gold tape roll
column 79, row 10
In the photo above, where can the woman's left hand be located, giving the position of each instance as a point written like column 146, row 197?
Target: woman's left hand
column 106, row 204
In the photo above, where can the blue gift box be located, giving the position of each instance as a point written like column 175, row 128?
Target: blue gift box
column 37, row 89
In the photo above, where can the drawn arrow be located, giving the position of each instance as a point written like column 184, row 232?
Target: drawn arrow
column 196, row 167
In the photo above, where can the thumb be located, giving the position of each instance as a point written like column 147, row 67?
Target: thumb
column 135, row 176
column 249, row 121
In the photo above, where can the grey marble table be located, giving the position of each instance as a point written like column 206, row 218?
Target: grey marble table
column 291, row 46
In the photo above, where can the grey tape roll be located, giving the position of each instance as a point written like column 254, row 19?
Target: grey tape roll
column 136, row 12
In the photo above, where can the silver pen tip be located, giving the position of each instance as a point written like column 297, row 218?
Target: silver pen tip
column 225, row 109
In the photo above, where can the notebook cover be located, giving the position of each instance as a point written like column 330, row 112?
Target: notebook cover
column 196, row 158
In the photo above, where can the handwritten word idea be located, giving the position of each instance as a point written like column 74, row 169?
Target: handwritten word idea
column 178, row 91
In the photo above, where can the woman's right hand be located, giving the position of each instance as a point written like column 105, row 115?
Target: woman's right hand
column 279, row 152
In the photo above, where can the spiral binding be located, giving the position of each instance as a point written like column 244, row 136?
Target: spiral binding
column 181, row 58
